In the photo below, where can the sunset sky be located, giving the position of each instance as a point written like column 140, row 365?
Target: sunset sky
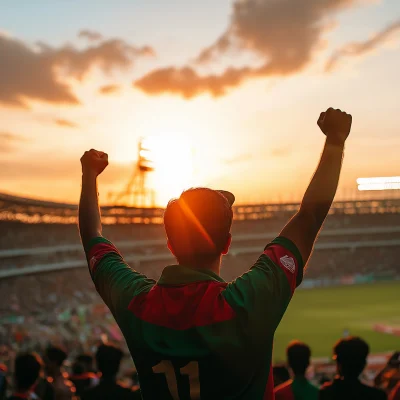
column 230, row 91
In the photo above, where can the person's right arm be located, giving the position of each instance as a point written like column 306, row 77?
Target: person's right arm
column 304, row 227
column 269, row 285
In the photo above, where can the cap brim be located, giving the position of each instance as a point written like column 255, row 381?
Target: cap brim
column 228, row 195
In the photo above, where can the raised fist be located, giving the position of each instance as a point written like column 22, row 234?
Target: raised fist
column 336, row 125
column 94, row 162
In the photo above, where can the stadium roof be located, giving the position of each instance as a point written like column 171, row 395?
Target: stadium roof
column 27, row 210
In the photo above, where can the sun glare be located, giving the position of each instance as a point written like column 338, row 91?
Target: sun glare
column 173, row 165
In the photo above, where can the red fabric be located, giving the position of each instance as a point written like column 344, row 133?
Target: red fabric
column 21, row 395
column 85, row 375
column 183, row 307
column 286, row 261
column 97, row 252
column 284, row 391
column 269, row 389
column 395, row 394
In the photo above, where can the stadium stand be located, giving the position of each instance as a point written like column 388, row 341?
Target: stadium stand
column 51, row 299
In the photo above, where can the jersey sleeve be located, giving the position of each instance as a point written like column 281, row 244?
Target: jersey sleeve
column 262, row 294
column 114, row 280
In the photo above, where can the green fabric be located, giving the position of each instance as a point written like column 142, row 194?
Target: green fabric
column 304, row 390
column 179, row 274
column 94, row 241
column 235, row 354
column 115, row 281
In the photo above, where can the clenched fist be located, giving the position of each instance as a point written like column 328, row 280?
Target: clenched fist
column 94, row 162
column 336, row 125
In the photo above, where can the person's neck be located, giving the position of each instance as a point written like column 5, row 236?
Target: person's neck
column 300, row 376
column 214, row 266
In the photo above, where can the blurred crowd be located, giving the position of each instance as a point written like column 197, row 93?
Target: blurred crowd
column 53, row 376
column 54, row 373
column 55, row 332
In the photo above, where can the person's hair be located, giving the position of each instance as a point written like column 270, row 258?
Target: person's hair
column 198, row 225
column 56, row 355
column 27, row 370
column 281, row 374
column 298, row 357
column 108, row 359
column 351, row 356
column 78, row 368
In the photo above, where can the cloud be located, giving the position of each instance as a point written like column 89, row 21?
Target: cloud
column 281, row 151
column 240, row 158
column 65, row 123
column 109, row 89
column 188, row 83
column 284, row 35
column 356, row 49
column 92, row 36
column 28, row 73
column 8, row 141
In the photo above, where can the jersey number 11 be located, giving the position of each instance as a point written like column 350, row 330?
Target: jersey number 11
column 191, row 370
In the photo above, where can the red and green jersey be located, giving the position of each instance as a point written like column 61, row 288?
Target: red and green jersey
column 296, row 389
column 191, row 334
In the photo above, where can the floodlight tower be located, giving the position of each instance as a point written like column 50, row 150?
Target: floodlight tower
column 137, row 193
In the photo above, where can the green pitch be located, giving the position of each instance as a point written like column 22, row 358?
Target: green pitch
column 320, row 316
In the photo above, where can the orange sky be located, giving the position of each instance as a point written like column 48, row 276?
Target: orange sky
column 234, row 107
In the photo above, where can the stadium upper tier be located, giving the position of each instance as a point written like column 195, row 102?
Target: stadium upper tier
column 14, row 208
column 41, row 236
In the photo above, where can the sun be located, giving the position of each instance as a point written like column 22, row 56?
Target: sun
column 172, row 158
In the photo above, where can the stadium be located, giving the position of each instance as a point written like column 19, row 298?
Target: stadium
column 179, row 214
column 351, row 284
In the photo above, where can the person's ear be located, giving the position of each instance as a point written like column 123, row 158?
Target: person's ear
column 170, row 248
column 227, row 245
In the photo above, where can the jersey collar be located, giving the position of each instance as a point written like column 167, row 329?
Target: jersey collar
column 179, row 274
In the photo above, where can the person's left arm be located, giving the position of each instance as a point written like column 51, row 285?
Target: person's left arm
column 115, row 281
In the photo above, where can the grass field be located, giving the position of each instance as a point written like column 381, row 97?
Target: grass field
column 319, row 317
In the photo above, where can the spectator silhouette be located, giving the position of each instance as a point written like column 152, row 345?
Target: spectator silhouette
column 108, row 359
column 81, row 377
column 54, row 360
column 389, row 376
column 351, row 358
column 87, row 361
column 395, row 394
column 299, row 388
column 26, row 373
column 3, row 381
column 281, row 374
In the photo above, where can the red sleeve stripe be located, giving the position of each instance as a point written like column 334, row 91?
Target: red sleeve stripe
column 284, row 259
column 97, row 252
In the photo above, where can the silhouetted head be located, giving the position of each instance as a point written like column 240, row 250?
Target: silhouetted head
column 351, row 356
column 198, row 225
column 78, row 368
column 281, row 374
column 54, row 358
column 27, row 371
column 108, row 359
column 298, row 357
column 86, row 360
